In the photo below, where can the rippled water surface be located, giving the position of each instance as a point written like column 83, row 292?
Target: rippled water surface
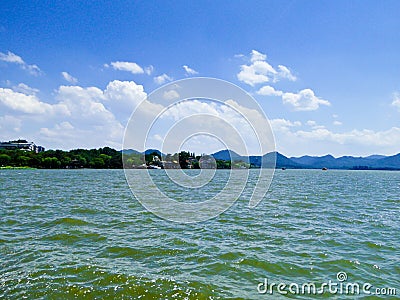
column 80, row 233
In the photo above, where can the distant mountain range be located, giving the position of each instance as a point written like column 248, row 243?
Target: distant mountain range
column 372, row 162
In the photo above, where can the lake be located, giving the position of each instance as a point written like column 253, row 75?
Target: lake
column 82, row 234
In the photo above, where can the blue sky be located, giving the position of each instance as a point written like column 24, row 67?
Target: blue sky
column 326, row 73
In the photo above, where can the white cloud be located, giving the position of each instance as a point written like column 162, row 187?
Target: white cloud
column 337, row 123
column 158, row 137
column 27, row 104
column 69, row 77
column 318, row 140
column 86, row 117
column 162, row 79
column 64, row 125
column 119, row 98
column 97, row 117
column 149, row 70
column 260, row 71
column 122, row 97
column 257, row 72
column 32, row 69
column 269, row 91
column 228, row 121
column 11, row 58
column 84, row 104
column 363, row 137
column 284, row 72
column 80, row 116
column 305, row 100
column 132, row 67
column 311, row 123
column 256, row 56
column 15, row 59
column 65, row 135
column 396, row 100
column 171, row 95
column 91, row 121
column 9, row 125
column 187, row 108
column 190, row 71
column 283, row 125
column 239, row 55
column 25, row 89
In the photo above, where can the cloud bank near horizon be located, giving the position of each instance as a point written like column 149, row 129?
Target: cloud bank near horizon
column 75, row 116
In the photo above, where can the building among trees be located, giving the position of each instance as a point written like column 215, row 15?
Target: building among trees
column 21, row 145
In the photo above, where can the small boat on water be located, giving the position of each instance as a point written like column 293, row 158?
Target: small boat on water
column 283, row 168
column 324, row 169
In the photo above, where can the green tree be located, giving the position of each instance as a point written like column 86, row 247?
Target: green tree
column 51, row 163
column 4, row 159
column 23, row 161
column 106, row 159
column 97, row 163
column 183, row 159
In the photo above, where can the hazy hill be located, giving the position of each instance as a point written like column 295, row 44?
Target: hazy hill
column 379, row 162
column 316, row 162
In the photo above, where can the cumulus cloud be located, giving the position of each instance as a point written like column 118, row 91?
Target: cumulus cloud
column 9, row 125
column 68, row 77
column 305, row 100
column 119, row 98
column 291, row 139
column 260, row 71
column 189, row 71
column 314, row 125
column 188, row 108
column 396, row 100
column 363, row 137
column 171, row 95
column 27, row 103
column 229, row 121
column 257, row 56
column 25, row 89
column 76, row 117
column 96, row 116
column 162, row 79
column 337, row 123
column 257, row 72
column 311, row 123
column 132, row 67
column 284, row 72
column 122, row 97
column 283, row 124
column 12, row 58
column 269, row 91
column 84, row 104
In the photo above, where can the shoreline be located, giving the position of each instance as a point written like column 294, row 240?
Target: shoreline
column 152, row 170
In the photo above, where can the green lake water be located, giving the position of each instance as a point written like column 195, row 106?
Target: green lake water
column 81, row 234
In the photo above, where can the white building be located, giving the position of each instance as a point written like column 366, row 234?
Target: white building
column 22, row 145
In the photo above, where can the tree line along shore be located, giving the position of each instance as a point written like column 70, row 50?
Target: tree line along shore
column 102, row 158
column 108, row 158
